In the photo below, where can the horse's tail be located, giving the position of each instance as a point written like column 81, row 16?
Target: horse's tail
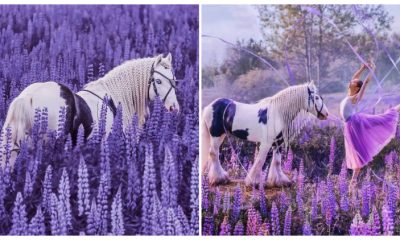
column 19, row 119
column 205, row 145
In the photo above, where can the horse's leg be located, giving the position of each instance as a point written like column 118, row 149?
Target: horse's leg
column 216, row 175
column 253, row 178
column 276, row 177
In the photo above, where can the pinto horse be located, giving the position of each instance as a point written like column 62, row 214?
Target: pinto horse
column 132, row 84
column 270, row 122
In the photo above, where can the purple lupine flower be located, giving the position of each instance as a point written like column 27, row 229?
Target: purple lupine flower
column 47, row 189
column 239, row 229
column 2, row 195
column 287, row 167
column 169, row 181
column 184, row 223
column 372, row 227
column 28, row 184
column 343, row 188
column 205, row 192
column 208, row 225
column 55, row 221
column 7, row 153
column 19, row 219
column 307, row 229
column 92, row 219
column 226, row 205
column 284, row 202
column 149, row 187
column 83, row 188
column 102, row 206
column 288, row 222
column 387, row 220
column 331, row 155
column 253, row 221
column 356, row 227
column 105, row 167
column 64, row 198
column 275, row 226
column 377, row 221
column 263, row 203
column 117, row 217
column 62, row 218
column 264, row 229
column 300, row 190
column 323, row 196
column 389, row 163
column 314, row 207
column 158, row 217
column 36, row 226
column 173, row 225
column 61, row 122
column 217, row 201
column 365, row 209
column 237, row 203
column 194, row 197
column 225, row 228
column 331, row 211
column 391, row 198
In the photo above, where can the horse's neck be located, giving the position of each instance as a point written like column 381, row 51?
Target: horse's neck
column 96, row 88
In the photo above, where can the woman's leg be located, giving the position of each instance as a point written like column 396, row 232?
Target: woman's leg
column 354, row 178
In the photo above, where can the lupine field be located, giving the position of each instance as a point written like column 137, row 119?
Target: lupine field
column 319, row 202
column 138, row 180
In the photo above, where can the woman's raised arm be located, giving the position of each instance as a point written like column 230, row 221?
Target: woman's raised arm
column 366, row 81
column 359, row 72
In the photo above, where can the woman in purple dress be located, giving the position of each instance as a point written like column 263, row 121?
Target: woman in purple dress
column 365, row 135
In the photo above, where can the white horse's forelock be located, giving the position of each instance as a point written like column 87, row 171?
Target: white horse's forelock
column 128, row 84
column 290, row 103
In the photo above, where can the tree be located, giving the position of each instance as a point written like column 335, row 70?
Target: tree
column 307, row 38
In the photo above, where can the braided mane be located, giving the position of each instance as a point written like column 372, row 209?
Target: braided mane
column 127, row 84
column 290, row 104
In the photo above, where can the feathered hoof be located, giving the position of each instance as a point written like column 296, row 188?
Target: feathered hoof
column 220, row 181
column 279, row 183
column 250, row 182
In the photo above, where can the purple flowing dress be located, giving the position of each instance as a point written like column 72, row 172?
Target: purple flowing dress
column 365, row 135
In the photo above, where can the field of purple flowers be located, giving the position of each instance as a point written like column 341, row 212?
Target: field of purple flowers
column 318, row 203
column 141, row 181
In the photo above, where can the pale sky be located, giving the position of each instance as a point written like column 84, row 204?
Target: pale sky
column 233, row 22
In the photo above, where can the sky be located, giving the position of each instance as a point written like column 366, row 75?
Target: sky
column 234, row 22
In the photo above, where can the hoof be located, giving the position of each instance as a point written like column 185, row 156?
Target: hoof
column 251, row 183
column 220, row 181
column 279, row 184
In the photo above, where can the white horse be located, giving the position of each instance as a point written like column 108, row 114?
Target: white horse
column 132, row 84
column 269, row 121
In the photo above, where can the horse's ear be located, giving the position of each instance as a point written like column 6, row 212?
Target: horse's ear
column 158, row 59
column 169, row 58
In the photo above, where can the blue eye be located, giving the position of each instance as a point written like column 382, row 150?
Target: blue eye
column 158, row 81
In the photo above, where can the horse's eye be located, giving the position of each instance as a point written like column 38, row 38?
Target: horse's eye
column 317, row 97
column 165, row 67
column 158, row 81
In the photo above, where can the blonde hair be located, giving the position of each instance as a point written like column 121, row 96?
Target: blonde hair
column 128, row 84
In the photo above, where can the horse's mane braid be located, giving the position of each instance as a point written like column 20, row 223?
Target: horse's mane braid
column 290, row 103
column 127, row 84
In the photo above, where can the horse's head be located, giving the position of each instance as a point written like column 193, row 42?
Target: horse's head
column 315, row 103
column 163, row 83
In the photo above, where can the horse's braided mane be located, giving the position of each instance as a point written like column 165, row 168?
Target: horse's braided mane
column 127, row 84
column 290, row 103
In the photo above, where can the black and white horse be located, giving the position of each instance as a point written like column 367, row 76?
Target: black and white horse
column 271, row 122
column 132, row 84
